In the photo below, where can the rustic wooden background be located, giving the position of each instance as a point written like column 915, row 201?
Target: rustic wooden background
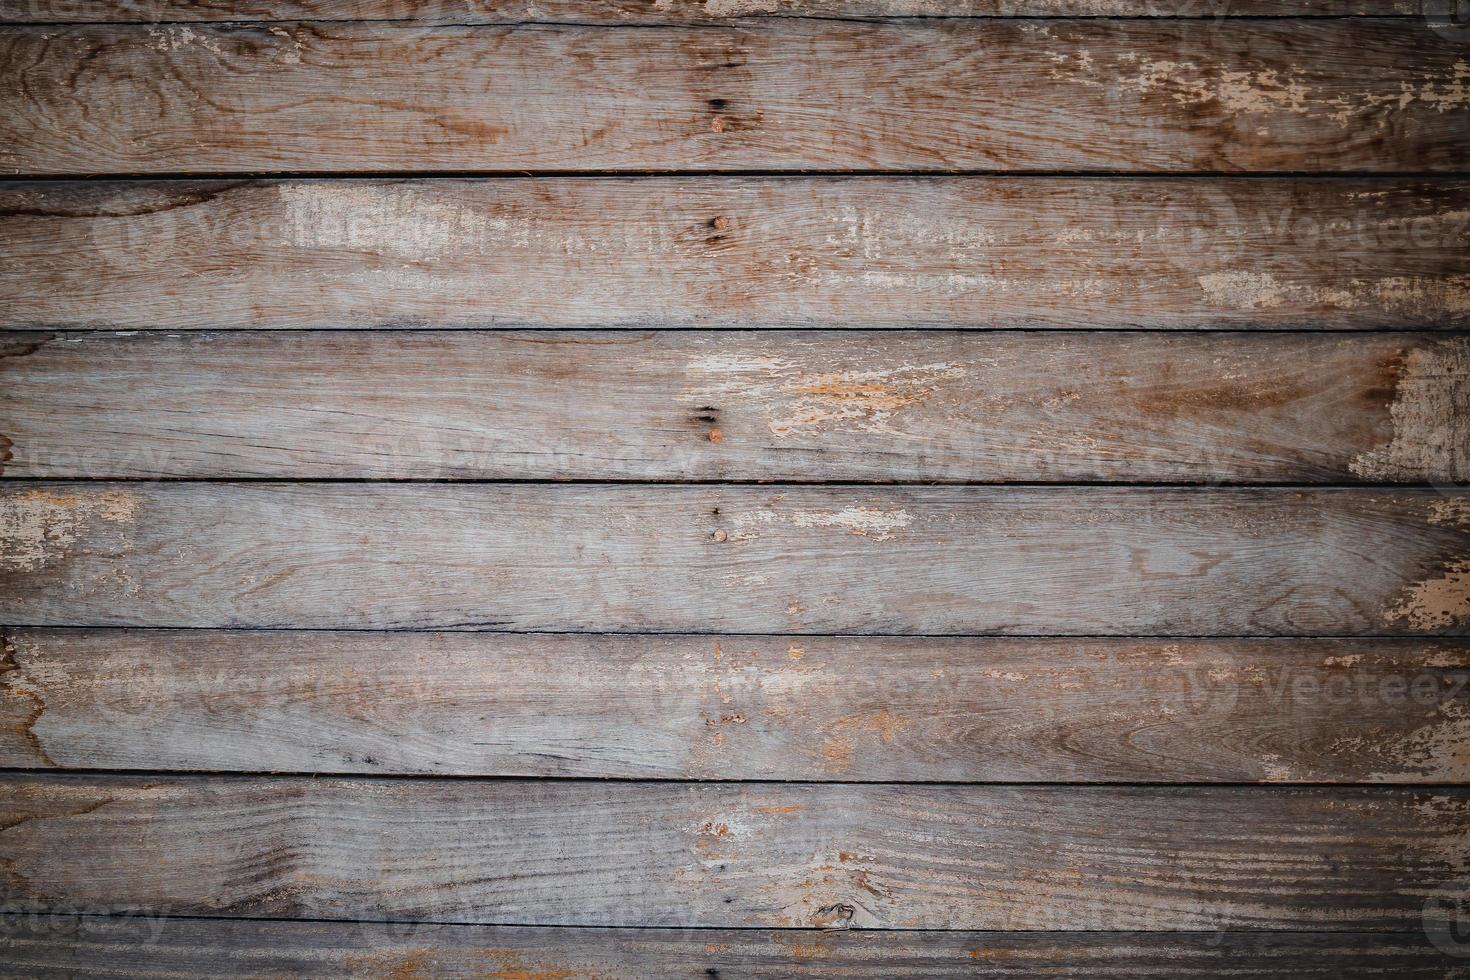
column 725, row 488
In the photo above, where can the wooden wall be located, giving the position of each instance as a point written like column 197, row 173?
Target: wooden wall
column 734, row 488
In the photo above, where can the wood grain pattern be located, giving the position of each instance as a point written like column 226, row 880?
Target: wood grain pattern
column 1095, row 95
column 722, row 855
column 810, row 406
column 44, row 947
column 812, row 708
column 614, row 12
column 730, row 252
column 600, row 558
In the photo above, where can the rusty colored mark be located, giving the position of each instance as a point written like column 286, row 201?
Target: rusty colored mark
column 715, row 435
column 778, row 809
column 10, row 676
column 838, row 753
column 409, row 964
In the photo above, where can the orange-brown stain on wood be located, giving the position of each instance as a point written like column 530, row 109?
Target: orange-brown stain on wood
column 839, row 746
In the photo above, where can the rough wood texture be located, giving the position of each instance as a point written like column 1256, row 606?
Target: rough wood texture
column 722, row 855
column 738, row 707
column 991, row 407
column 44, row 947
column 662, row 11
column 1146, row 95
column 1088, row 560
column 729, row 252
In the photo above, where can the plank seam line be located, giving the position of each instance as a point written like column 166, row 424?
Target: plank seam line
column 179, row 333
column 746, row 22
column 268, row 481
column 752, row 333
column 93, row 177
column 195, row 775
column 1161, row 637
column 194, row 917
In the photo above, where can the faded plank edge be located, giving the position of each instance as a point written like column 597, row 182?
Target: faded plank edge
column 734, row 98
column 730, row 708
column 794, row 854
column 743, row 407
column 44, row 946
column 996, row 253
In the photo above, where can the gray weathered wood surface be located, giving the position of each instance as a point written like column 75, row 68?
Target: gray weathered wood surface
column 589, row 557
column 808, row 406
column 815, row 708
column 921, row 95
column 614, row 12
column 45, row 947
column 738, row 252
column 731, row 854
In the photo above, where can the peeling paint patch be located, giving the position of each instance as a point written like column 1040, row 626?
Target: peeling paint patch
column 182, row 37
column 1449, row 92
column 1436, row 603
column 791, row 397
column 1430, row 416
column 1439, row 750
column 863, row 522
column 1406, row 296
column 38, row 526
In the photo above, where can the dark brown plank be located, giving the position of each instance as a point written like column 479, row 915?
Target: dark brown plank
column 728, row 252
column 1095, row 95
column 729, row 707
column 1037, row 407
column 721, row 855
column 614, row 12
column 43, row 947
column 600, row 558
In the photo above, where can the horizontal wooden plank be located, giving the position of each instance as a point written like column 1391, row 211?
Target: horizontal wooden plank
column 730, row 252
column 931, row 95
column 614, row 12
column 722, row 855
column 49, row 947
column 995, row 407
column 586, row 557
column 812, row 708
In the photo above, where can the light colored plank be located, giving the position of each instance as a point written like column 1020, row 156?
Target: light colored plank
column 738, row 707
column 730, row 252
column 722, row 855
column 47, row 947
column 587, row 557
column 614, row 12
column 1097, row 95
column 1036, row 407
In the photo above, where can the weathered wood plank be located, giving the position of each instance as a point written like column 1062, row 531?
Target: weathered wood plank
column 614, row 12
column 721, row 855
column 1103, row 95
column 43, row 947
column 581, row 557
column 991, row 407
column 729, row 252
column 811, row 708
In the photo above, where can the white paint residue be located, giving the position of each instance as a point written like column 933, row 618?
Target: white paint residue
column 863, row 522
